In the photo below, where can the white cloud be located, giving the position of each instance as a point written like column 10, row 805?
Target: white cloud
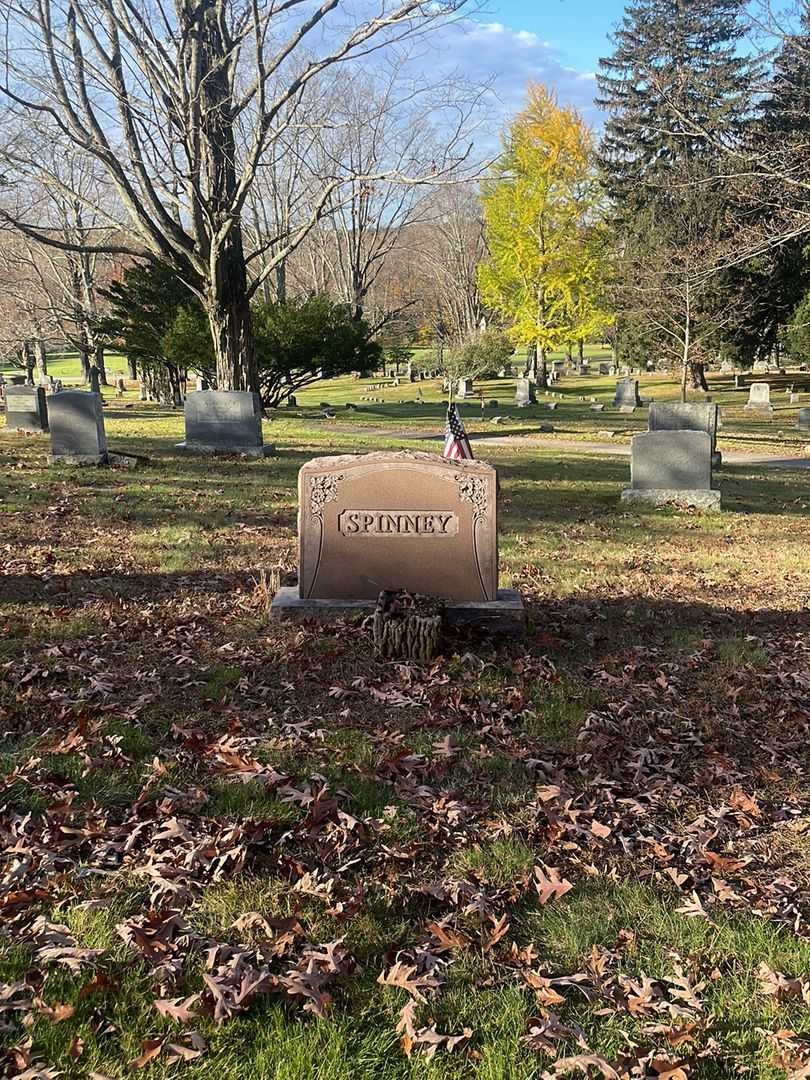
column 512, row 58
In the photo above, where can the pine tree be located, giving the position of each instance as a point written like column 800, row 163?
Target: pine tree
column 674, row 85
column 777, row 280
column 677, row 92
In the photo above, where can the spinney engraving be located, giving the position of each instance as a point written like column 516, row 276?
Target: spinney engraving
column 397, row 523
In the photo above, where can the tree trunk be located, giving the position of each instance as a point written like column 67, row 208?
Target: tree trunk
column 698, row 374
column 281, row 282
column 98, row 359
column 570, row 353
column 581, row 346
column 132, row 367
column 28, row 360
column 42, row 359
column 226, row 303
column 542, row 376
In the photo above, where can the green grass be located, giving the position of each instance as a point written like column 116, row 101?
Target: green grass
column 133, row 603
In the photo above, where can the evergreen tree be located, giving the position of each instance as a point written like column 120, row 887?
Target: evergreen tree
column 778, row 279
column 677, row 93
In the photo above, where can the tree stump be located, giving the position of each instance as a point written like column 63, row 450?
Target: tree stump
column 407, row 626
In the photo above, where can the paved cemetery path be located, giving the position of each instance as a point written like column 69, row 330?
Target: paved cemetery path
column 619, row 449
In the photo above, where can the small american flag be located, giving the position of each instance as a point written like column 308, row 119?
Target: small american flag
column 456, row 443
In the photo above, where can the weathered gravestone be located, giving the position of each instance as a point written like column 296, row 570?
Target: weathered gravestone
column 398, row 520
column 26, row 409
column 604, row 369
column 688, row 416
column 200, row 383
column 525, row 393
column 76, row 424
column 225, row 422
column 17, row 380
column 759, row 398
column 465, row 388
column 672, row 467
column 627, row 394
column 803, row 418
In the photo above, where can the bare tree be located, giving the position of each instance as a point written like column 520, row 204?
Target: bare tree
column 157, row 93
column 380, row 123
column 448, row 253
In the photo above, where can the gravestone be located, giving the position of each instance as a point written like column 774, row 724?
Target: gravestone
column 759, row 366
column 200, row 383
column 558, row 366
column 672, row 467
column 604, row 369
column 291, row 402
column 224, row 421
column 627, row 393
column 597, row 408
column 120, row 385
column 465, row 388
column 583, row 369
column 394, row 520
column 506, row 372
column 26, row 409
column 17, row 380
column 759, row 398
column 76, row 424
column 803, row 419
column 688, row 416
column 525, row 393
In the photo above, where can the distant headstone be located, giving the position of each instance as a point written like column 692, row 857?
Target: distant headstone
column 759, row 366
column 687, row 416
column 465, row 388
column 506, row 372
column 551, row 404
column 583, row 369
column 803, row 419
column 224, row 421
column 604, row 369
column 525, row 393
column 759, row 398
column 672, row 467
column 26, row 409
column 201, row 383
column 627, row 393
column 627, row 408
column 727, row 367
column 76, row 424
column 17, row 380
column 794, row 398
column 558, row 366
column 291, row 402
column 597, row 408
column 120, row 385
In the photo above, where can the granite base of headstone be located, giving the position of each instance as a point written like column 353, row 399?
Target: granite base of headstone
column 759, row 398
column 525, row 393
column 26, row 409
column 672, row 468
column 399, row 520
column 224, row 422
column 76, row 425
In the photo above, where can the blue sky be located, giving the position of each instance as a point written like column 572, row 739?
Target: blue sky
column 577, row 29
column 513, row 42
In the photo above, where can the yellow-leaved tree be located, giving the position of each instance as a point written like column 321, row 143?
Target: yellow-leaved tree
column 547, row 264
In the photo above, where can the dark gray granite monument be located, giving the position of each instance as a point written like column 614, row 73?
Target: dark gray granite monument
column 672, row 468
column 688, row 416
column 26, row 409
column 627, row 395
column 76, row 424
column 224, row 422
column 525, row 393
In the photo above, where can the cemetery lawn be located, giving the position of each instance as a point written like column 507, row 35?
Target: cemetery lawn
column 232, row 849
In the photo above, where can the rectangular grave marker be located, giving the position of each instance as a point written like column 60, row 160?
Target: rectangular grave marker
column 26, row 409
column 672, row 467
column 77, row 429
column 224, row 421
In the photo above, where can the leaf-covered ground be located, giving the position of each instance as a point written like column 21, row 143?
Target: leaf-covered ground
column 232, row 849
